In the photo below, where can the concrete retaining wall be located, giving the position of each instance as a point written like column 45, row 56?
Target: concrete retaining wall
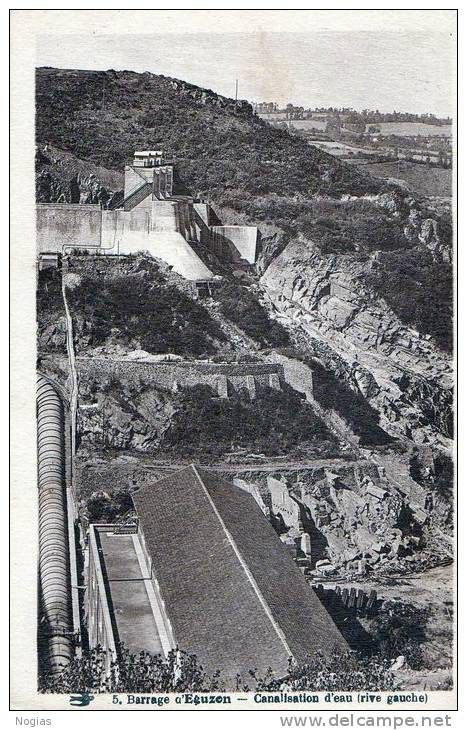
column 240, row 239
column 296, row 373
column 60, row 224
column 164, row 228
column 222, row 378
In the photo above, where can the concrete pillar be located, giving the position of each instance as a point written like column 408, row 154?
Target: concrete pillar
column 251, row 385
column 169, row 182
column 274, row 381
column 194, row 235
column 163, row 183
column 156, row 186
column 222, row 386
column 305, row 544
column 186, row 222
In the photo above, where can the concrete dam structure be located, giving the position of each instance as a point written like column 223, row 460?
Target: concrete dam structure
column 239, row 239
column 174, row 228
column 54, row 560
column 62, row 226
column 164, row 229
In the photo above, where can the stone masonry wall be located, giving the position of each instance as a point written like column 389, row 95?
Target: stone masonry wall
column 221, row 377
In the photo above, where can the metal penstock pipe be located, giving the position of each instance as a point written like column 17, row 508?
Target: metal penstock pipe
column 54, row 574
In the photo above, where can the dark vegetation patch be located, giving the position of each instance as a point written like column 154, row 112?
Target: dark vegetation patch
column 145, row 312
column 419, row 290
column 400, row 629
column 241, row 306
column 219, row 145
column 274, row 423
column 49, row 311
column 357, row 225
column 109, row 505
column 182, row 672
column 421, row 178
column 334, row 226
column 49, row 291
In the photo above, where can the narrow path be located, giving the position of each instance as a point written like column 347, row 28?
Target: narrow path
column 72, row 361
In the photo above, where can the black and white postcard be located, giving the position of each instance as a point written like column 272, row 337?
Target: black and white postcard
column 232, row 349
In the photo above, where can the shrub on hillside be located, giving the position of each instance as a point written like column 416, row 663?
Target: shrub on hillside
column 49, row 292
column 275, row 422
column 419, row 290
column 141, row 673
column 144, row 310
column 400, row 629
column 340, row 227
column 340, row 673
column 107, row 506
column 50, row 312
column 240, row 305
column 181, row 672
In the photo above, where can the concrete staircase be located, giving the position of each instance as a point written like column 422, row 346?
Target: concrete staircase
column 134, row 198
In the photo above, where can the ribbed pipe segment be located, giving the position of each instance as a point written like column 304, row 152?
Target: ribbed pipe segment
column 53, row 537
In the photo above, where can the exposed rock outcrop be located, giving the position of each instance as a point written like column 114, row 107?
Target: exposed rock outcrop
column 402, row 374
column 61, row 178
column 360, row 517
column 206, row 96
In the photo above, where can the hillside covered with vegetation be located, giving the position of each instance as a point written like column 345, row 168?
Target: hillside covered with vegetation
column 222, row 149
column 248, row 170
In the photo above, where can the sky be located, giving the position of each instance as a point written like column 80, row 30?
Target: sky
column 406, row 70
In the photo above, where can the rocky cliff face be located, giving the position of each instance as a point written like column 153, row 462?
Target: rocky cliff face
column 358, row 517
column 209, row 97
column 325, row 302
column 62, row 178
column 123, row 417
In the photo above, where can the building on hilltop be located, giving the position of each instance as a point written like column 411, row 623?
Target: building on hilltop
column 148, row 178
column 151, row 217
column 149, row 158
column 209, row 575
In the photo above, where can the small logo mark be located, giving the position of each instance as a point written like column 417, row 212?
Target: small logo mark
column 81, row 700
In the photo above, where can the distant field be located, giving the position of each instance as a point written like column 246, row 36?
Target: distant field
column 339, row 149
column 412, row 129
column 431, row 181
column 273, row 116
column 307, row 124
